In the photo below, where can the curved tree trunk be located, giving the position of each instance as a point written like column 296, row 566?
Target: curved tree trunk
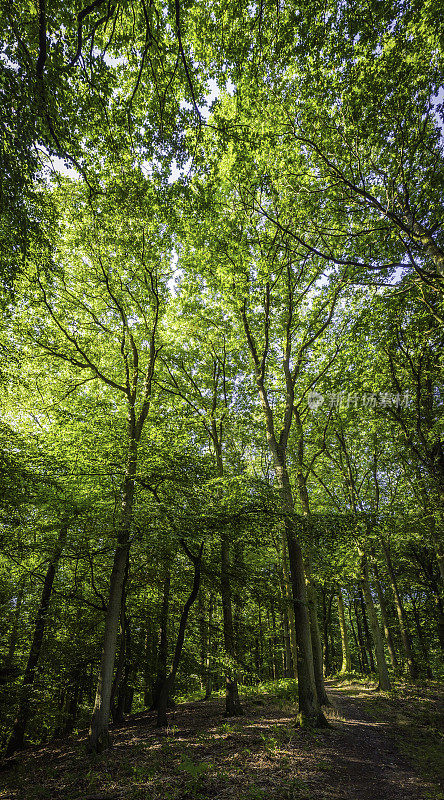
column 167, row 688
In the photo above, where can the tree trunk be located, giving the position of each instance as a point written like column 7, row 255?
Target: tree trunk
column 25, row 711
column 367, row 637
column 274, row 642
column 115, row 702
column 328, row 652
column 309, row 705
column 168, row 685
column 360, row 635
column 385, row 624
column 98, row 737
column 422, row 643
column 288, row 661
column 356, row 640
column 289, row 608
column 15, row 627
column 316, row 641
column 384, row 680
column 261, row 642
column 149, row 663
column 402, row 617
column 238, row 561
column 301, row 482
column 162, row 653
column 208, row 658
column 345, row 644
column 120, row 693
column 233, row 706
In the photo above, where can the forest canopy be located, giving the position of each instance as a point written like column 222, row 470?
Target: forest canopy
column 221, row 278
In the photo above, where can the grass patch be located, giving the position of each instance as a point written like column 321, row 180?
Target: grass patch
column 283, row 689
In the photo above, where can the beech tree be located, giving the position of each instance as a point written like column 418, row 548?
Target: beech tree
column 102, row 323
column 221, row 270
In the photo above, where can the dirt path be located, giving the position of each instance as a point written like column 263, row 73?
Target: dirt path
column 366, row 762
column 260, row 756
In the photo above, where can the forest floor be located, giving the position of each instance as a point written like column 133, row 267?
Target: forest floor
column 378, row 747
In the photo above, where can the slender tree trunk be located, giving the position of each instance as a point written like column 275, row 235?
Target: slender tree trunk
column 440, row 624
column 25, row 710
column 233, row 706
column 439, row 608
column 149, row 663
column 309, row 703
column 356, row 640
column 120, row 694
column 402, row 617
column 15, row 627
column 98, row 737
column 301, row 483
column 384, row 680
column 238, row 600
column 289, row 608
column 274, row 642
column 203, row 636
column 363, row 650
column 316, row 641
column 439, row 552
column 288, row 662
column 261, row 642
column 385, row 624
column 328, row 651
column 162, row 652
column 346, row 658
column 326, row 642
column 208, row 658
column 422, row 643
column 116, row 707
column 367, row 636
column 75, row 699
